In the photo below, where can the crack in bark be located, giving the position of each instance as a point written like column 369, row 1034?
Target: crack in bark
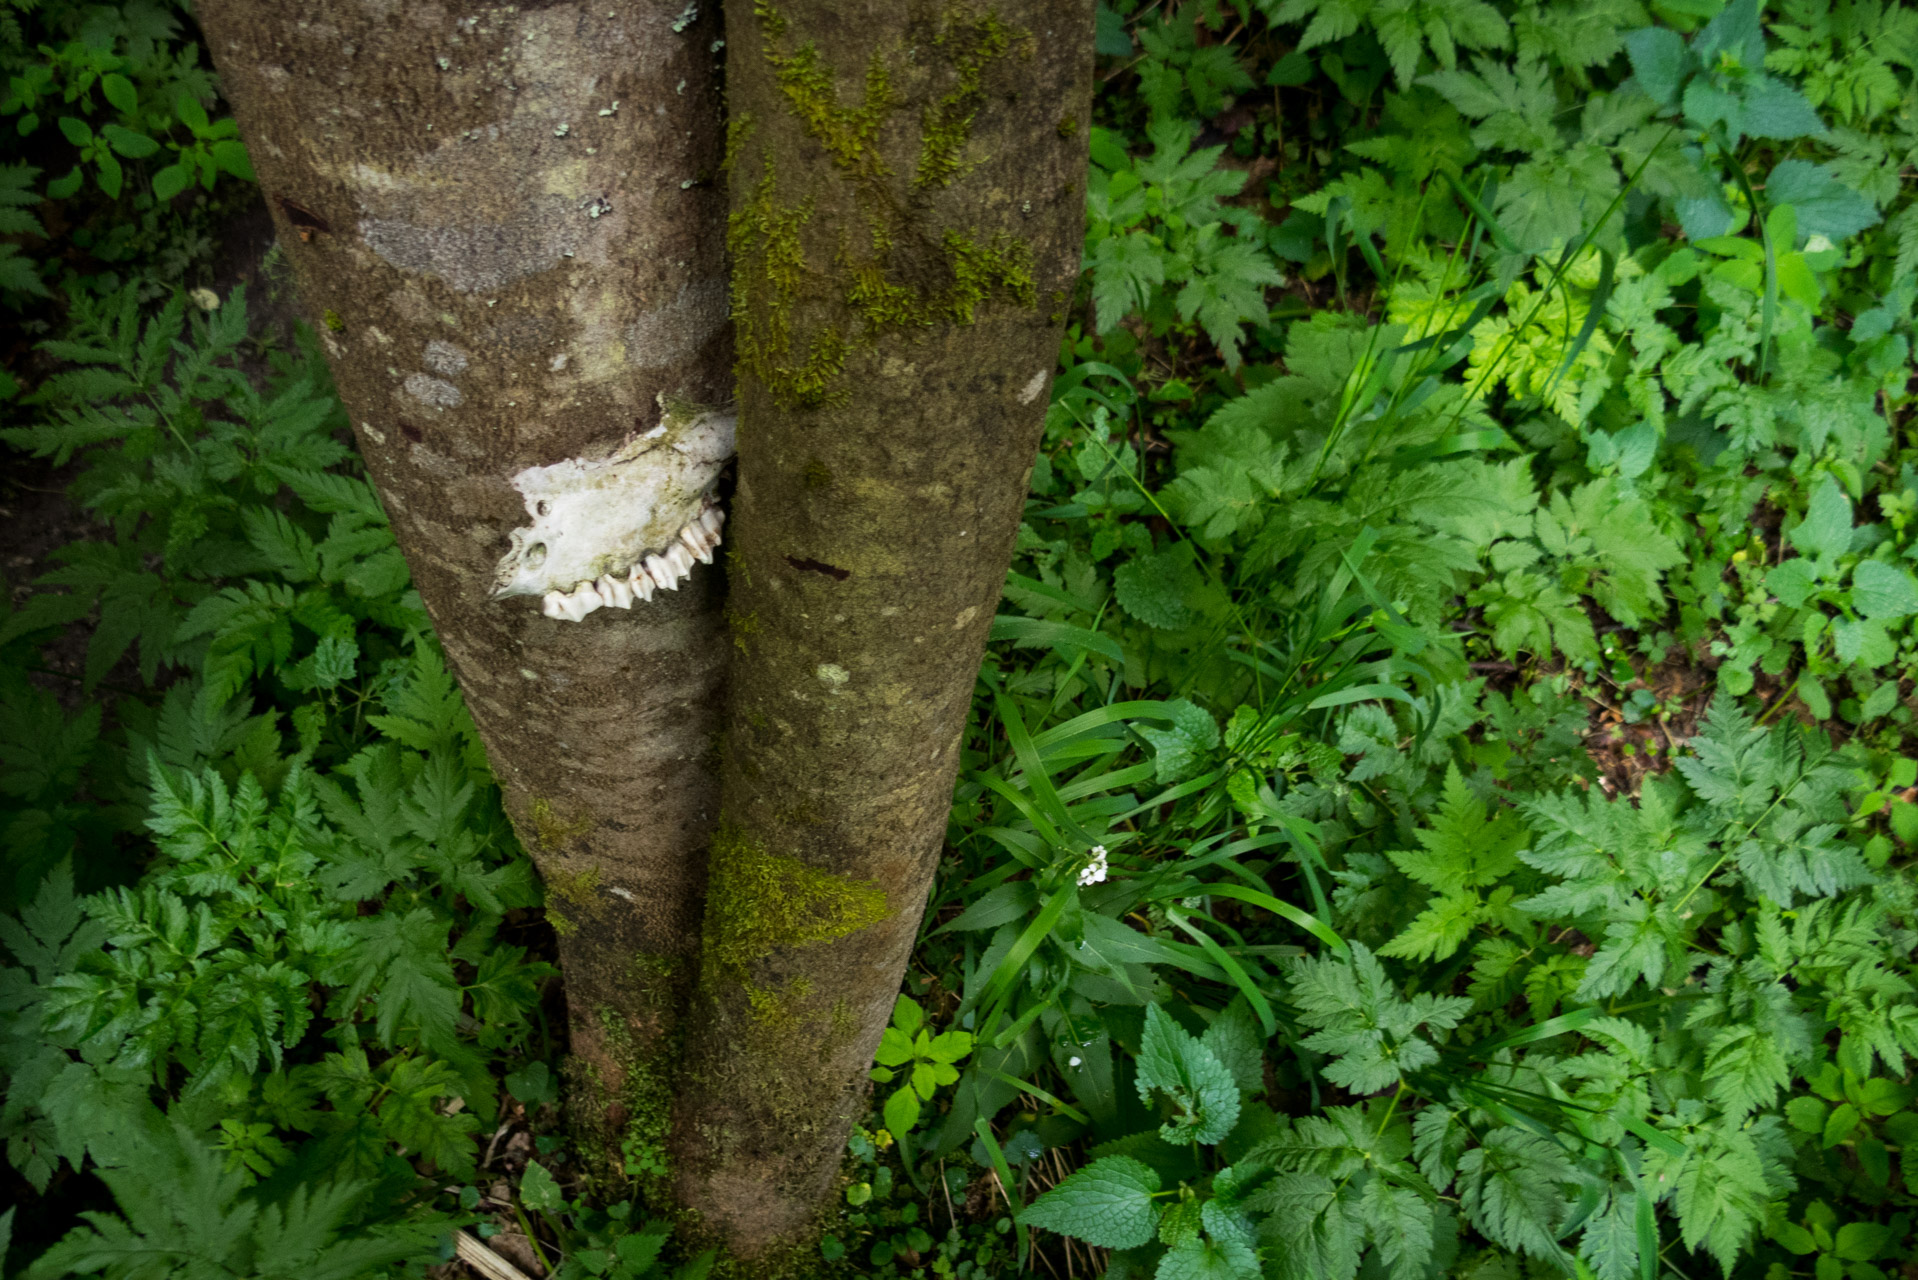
column 832, row 571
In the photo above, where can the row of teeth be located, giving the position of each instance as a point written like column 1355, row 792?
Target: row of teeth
column 659, row 572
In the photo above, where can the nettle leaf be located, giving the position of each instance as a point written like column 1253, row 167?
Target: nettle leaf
column 1826, row 528
column 1880, row 590
column 1152, row 588
column 1734, row 37
column 1209, row 1258
column 1107, row 1204
column 1181, row 748
column 1771, row 108
column 1793, row 581
column 1825, row 205
column 1234, row 1037
column 1660, row 61
column 1200, row 1086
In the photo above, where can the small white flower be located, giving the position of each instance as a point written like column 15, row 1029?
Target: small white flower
column 1073, row 1062
column 205, row 299
column 1094, row 871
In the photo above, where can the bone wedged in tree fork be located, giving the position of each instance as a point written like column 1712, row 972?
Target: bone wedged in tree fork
column 639, row 517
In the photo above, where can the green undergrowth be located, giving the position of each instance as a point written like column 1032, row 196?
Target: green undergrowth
column 1440, row 795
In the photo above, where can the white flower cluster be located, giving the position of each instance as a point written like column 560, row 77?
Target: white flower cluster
column 1095, row 870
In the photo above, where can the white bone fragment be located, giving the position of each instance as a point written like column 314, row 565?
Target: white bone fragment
column 596, row 517
column 614, row 592
column 695, row 540
column 567, row 606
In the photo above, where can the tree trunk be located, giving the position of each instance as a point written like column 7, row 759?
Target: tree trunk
column 907, row 194
column 506, row 226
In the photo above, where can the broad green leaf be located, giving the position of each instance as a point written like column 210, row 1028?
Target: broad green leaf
column 1180, row 1065
column 1793, row 581
column 119, row 91
column 1108, row 1204
column 1825, row 205
column 1207, row 1258
column 538, row 1190
column 1660, row 62
column 902, row 1110
column 1152, row 588
column 1180, row 749
column 1880, row 590
column 1826, row 528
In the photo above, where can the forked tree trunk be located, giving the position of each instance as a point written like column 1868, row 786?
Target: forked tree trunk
column 907, row 187
column 506, row 223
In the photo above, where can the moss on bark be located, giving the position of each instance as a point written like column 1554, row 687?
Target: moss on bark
column 901, row 204
column 758, row 901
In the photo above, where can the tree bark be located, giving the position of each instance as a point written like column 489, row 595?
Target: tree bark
column 506, row 225
column 906, row 202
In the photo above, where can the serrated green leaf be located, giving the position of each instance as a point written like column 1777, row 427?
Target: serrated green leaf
column 1173, row 1062
column 1880, row 590
column 1108, row 1204
column 1826, row 528
column 539, row 1190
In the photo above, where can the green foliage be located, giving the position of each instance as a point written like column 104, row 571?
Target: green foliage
column 907, row 1048
column 1158, row 222
column 109, row 103
column 1108, row 1203
column 307, row 974
column 1461, row 388
column 186, row 1212
column 1614, row 390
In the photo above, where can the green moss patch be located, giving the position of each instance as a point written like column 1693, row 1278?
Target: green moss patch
column 757, row 902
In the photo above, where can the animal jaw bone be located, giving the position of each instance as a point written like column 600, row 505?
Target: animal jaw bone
column 619, row 590
column 610, row 530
